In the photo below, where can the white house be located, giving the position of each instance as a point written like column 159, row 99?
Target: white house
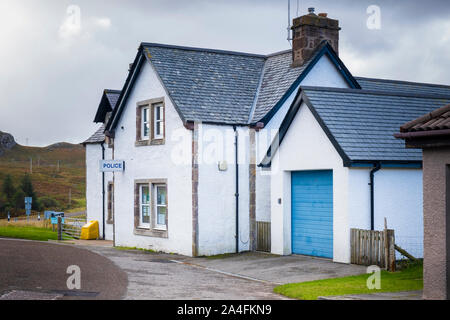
column 214, row 142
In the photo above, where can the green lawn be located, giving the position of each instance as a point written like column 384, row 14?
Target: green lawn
column 408, row 279
column 30, row 233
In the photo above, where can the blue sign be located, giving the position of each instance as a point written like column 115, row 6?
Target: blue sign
column 112, row 165
column 28, row 201
column 54, row 220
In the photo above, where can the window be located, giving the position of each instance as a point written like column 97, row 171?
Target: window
column 151, row 208
column 144, row 206
column 145, row 130
column 158, row 121
column 161, row 205
column 110, row 203
column 150, row 122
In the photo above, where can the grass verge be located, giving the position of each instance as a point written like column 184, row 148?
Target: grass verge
column 28, row 232
column 408, row 279
column 134, row 248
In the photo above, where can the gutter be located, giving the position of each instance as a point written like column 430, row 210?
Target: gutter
column 237, row 187
column 421, row 134
column 376, row 168
column 103, row 192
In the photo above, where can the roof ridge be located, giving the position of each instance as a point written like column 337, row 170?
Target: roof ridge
column 219, row 51
column 112, row 91
column 404, row 82
column 375, row 92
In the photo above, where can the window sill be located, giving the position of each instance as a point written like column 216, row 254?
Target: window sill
column 156, row 233
column 153, row 142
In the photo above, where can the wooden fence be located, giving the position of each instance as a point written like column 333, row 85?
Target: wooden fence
column 370, row 247
column 263, row 236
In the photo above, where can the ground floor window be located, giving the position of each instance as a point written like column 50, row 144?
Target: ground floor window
column 151, row 207
column 110, row 202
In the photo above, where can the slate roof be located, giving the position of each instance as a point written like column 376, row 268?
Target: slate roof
column 403, row 86
column 97, row 137
column 436, row 120
column 363, row 122
column 278, row 76
column 112, row 96
column 208, row 85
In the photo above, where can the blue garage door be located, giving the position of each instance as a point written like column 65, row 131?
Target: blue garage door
column 312, row 213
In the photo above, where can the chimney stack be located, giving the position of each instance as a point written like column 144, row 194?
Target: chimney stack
column 309, row 31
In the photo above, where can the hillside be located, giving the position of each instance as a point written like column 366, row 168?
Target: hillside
column 55, row 170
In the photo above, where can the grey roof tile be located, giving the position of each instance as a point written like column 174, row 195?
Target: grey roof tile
column 97, row 137
column 363, row 122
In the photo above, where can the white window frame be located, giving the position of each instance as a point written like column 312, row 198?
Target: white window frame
column 156, row 206
column 145, row 111
column 157, row 121
column 143, row 224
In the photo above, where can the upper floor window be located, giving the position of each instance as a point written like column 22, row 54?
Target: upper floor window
column 150, row 124
column 158, row 121
column 145, row 130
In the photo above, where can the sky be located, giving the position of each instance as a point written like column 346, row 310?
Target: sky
column 57, row 56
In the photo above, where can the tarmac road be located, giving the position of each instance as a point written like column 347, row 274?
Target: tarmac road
column 38, row 270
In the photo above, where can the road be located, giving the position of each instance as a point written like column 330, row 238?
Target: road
column 38, row 270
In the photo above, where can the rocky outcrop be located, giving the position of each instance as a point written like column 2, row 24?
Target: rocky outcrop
column 6, row 142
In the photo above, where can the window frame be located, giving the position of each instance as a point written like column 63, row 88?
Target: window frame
column 153, row 106
column 156, row 205
column 142, row 224
column 110, row 203
column 152, row 229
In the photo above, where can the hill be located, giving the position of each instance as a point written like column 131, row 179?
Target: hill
column 56, row 170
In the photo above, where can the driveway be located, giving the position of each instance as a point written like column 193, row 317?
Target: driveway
column 243, row 276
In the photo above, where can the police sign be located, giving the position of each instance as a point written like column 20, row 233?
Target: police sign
column 112, row 165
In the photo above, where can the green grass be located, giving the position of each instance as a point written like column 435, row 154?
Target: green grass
column 30, row 233
column 134, row 248
column 408, row 279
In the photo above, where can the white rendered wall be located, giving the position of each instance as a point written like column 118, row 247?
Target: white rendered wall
column 398, row 197
column 323, row 74
column 306, row 147
column 154, row 162
column 94, row 208
column 216, row 190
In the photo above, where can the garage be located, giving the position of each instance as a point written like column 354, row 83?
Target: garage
column 312, row 213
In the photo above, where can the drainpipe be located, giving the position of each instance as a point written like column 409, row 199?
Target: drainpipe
column 372, row 188
column 237, row 187
column 103, row 190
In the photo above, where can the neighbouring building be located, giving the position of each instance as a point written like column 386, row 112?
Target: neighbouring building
column 215, row 142
column 431, row 133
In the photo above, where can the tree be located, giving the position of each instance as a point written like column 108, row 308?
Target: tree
column 8, row 188
column 18, row 200
column 28, row 190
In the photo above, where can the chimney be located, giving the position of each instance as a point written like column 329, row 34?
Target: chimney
column 309, row 31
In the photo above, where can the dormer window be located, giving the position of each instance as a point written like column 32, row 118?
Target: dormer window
column 150, row 122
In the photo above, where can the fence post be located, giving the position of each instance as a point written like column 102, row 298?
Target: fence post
column 391, row 250
column 59, row 228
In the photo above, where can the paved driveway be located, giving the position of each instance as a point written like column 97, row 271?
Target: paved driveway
column 243, row 276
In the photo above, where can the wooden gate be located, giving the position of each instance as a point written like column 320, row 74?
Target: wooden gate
column 370, row 247
column 262, row 236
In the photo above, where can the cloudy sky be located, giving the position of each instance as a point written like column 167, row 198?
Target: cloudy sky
column 57, row 56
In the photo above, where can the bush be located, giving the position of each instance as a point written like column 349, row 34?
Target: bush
column 47, row 202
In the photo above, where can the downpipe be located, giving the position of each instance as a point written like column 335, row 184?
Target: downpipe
column 376, row 168
column 103, row 192
column 236, row 135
